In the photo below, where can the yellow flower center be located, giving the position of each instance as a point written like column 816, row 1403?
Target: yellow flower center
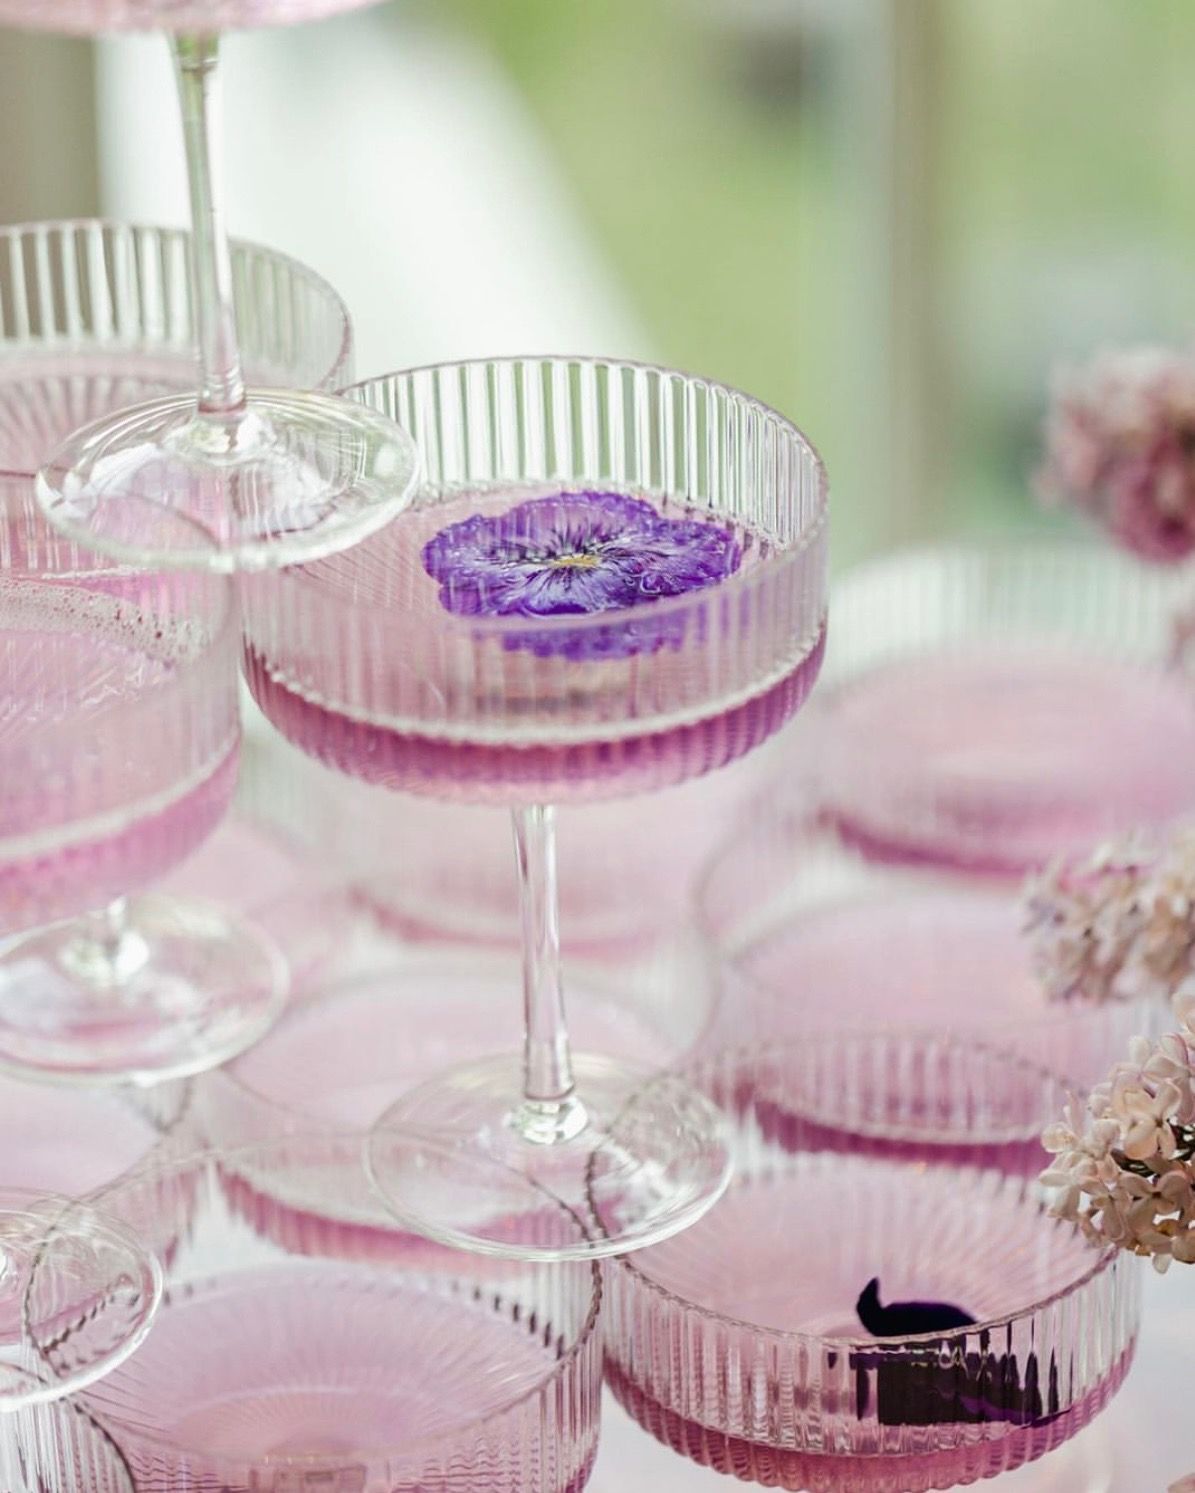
column 575, row 562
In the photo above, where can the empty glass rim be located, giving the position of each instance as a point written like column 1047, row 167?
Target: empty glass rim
column 742, row 582
column 1104, row 1259
column 35, row 228
column 176, row 1163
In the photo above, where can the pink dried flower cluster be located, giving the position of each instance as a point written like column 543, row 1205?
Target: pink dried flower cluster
column 1118, row 924
column 1124, row 1163
column 1120, row 445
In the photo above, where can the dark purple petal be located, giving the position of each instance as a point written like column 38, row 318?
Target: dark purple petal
column 574, row 554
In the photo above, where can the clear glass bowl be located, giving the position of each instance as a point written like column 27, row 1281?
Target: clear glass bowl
column 700, row 516
column 814, row 936
column 96, row 316
column 986, row 706
column 278, row 1368
column 741, row 1343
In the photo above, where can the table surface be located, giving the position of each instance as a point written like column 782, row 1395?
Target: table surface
column 1142, row 1443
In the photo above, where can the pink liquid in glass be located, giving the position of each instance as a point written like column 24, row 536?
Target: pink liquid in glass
column 996, row 757
column 66, row 1140
column 738, row 1342
column 340, row 1060
column 118, row 743
column 314, row 1374
column 480, row 716
column 944, row 959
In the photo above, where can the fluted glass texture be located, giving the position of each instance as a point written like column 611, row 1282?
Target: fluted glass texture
column 366, row 663
column 742, row 1343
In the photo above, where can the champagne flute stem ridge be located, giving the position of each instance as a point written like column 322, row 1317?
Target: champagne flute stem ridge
column 550, row 1112
column 222, row 387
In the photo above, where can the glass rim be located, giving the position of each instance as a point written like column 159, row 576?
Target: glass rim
column 224, row 626
column 811, row 831
column 29, row 228
column 1104, row 1259
column 813, row 533
column 177, row 1163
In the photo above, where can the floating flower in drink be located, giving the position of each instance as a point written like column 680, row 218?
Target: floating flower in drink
column 1120, row 446
column 574, row 554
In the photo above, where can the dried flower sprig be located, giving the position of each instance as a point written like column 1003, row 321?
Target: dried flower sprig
column 1124, row 1162
column 1118, row 924
column 1120, row 446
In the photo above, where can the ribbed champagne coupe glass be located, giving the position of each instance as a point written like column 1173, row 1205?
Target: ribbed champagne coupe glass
column 59, row 1448
column 881, row 1301
column 988, row 705
column 269, row 476
column 276, row 1366
column 612, row 581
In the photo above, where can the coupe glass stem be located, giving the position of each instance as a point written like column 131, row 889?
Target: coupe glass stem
column 107, row 951
column 550, row 1111
column 221, row 387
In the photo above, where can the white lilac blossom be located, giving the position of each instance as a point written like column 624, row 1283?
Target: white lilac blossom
column 1118, row 924
column 1120, row 446
column 1124, row 1162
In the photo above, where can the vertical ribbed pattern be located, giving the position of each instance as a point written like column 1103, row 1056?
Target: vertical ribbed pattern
column 440, row 1372
column 97, row 316
column 508, row 713
column 59, row 1449
column 831, row 1410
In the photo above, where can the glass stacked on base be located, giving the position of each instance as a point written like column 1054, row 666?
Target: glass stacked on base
column 267, row 476
column 284, row 1367
column 988, row 706
column 612, row 581
column 881, row 1301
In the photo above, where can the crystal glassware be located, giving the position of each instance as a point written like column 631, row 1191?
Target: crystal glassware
column 879, row 1302
column 59, row 1448
column 813, row 935
column 97, row 316
column 78, row 1293
column 275, row 1369
column 987, row 706
column 118, row 755
column 268, row 476
column 338, row 1059
column 613, row 581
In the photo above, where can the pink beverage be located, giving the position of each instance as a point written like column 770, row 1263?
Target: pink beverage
column 71, row 1140
column 941, row 958
column 272, row 1368
column 336, row 1374
column 995, row 756
column 779, row 1383
column 339, row 1060
column 87, row 17
column 853, row 1318
column 119, row 735
column 485, row 710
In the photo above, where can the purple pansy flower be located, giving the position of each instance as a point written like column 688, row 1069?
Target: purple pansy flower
column 575, row 554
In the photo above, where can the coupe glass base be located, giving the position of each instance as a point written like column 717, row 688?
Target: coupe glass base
column 78, row 1293
column 187, row 988
column 287, row 478
column 642, row 1157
